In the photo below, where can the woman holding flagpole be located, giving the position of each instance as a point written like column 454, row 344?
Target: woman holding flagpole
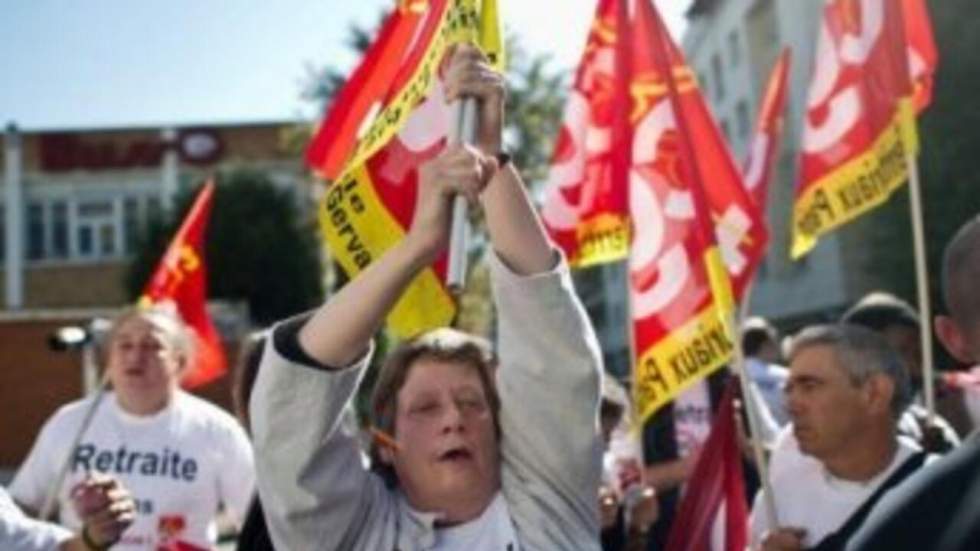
column 473, row 453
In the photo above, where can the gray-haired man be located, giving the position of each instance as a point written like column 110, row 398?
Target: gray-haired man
column 846, row 389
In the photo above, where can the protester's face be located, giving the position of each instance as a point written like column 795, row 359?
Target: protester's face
column 829, row 412
column 143, row 365
column 448, row 456
column 906, row 341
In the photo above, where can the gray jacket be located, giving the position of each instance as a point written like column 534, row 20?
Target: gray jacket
column 317, row 495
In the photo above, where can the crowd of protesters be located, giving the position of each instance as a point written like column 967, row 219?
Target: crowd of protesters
column 523, row 447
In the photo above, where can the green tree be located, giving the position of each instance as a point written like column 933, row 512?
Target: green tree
column 257, row 249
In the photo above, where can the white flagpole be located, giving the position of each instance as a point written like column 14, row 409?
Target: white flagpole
column 735, row 320
column 52, row 498
column 461, row 131
column 922, row 282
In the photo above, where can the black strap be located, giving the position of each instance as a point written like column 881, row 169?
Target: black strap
column 836, row 541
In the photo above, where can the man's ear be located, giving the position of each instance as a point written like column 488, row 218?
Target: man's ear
column 880, row 389
column 953, row 339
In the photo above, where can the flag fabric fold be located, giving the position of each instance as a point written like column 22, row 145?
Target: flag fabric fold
column 698, row 236
column 713, row 515
column 922, row 52
column 625, row 183
column 390, row 117
column 180, row 280
column 768, row 132
column 860, row 120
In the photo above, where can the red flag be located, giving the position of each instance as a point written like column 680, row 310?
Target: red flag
column 923, row 56
column 375, row 81
column 713, row 516
column 181, row 279
column 689, row 212
column 587, row 201
column 769, row 128
column 860, row 122
column 391, row 116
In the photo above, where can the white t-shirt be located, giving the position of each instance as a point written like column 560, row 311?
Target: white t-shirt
column 491, row 531
column 179, row 464
column 808, row 496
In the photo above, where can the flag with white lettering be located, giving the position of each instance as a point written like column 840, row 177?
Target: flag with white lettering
column 391, row 116
column 697, row 234
column 586, row 203
column 860, row 119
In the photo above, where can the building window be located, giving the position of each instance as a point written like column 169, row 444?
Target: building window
column 59, row 230
column 98, row 226
column 96, row 234
column 717, row 76
column 734, row 48
column 742, row 123
column 35, row 231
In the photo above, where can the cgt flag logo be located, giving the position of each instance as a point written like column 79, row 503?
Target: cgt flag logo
column 390, row 117
column 860, row 120
column 694, row 225
column 180, row 281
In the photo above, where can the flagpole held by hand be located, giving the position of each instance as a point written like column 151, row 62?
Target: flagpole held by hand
column 52, row 498
column 462, row 130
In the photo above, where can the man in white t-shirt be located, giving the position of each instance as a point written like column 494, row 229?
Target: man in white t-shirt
column 846, row 389
column 182, row 458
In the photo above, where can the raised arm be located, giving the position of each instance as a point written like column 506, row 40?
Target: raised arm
column 516, row 232
column 364, row 302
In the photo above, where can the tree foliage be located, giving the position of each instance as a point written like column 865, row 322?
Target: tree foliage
column 257, row 248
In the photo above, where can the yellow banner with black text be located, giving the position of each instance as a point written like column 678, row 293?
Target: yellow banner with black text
column 685, row 356
column 856, row 186
column 358, row 229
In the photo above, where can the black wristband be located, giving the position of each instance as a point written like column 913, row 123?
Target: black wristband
column 503, row 159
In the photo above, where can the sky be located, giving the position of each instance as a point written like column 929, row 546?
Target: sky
column 119, row 63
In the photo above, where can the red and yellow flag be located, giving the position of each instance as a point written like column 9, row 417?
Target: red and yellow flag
column 181, row 279
column 391, row 116
column 586, row 206
column 923, row 56
column 697, row 234
column 860, row 119
column 768, row 131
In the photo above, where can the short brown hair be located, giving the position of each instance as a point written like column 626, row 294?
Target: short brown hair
column 442, row 345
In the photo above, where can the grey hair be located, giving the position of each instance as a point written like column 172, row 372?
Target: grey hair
column 862, row 353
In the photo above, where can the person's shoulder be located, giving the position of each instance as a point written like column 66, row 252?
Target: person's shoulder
column 70, row 414
column 201, row 413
